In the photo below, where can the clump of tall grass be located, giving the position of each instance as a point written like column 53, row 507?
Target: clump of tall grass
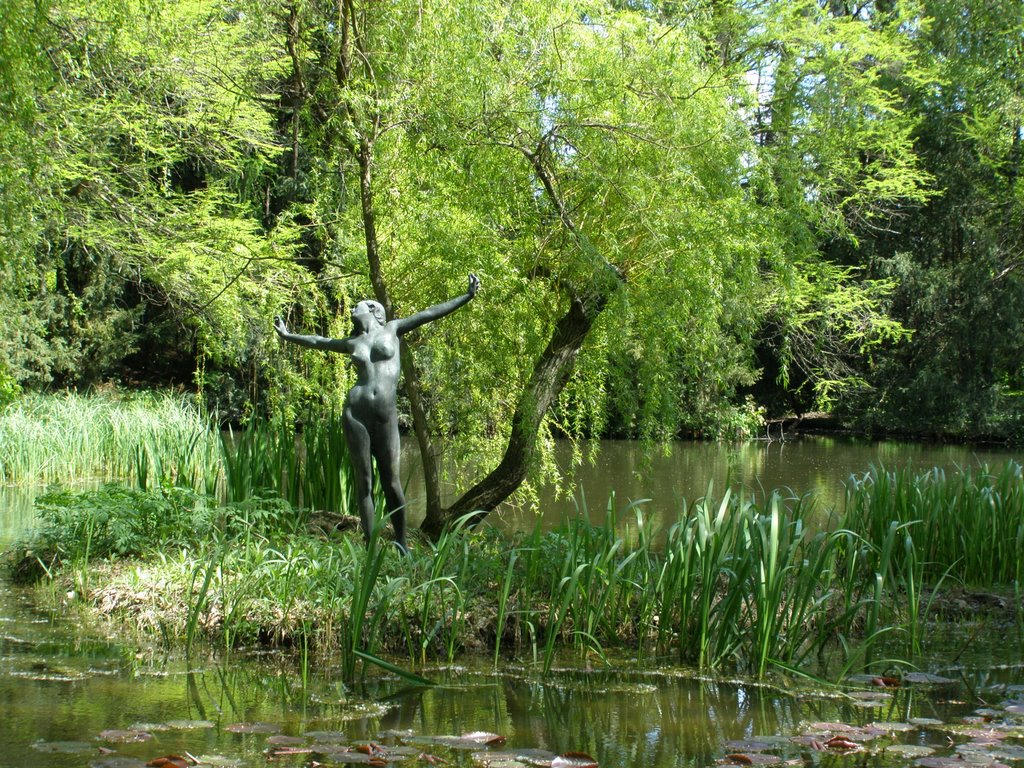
column 733, row 580
column 968, row 524
column 70, row 437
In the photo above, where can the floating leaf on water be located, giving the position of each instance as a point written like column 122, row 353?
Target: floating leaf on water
column 273, row 752
column 219, row 761
column 870, row 695
column 520, row 758
column 499, row 760
column 327, row 737
column 925, row 721
column 869, row 703
column 151, row 727
column 924, row 678
column 975, row 751
column 1014, row 709
column 885, row 682
column 574, row 760
column 841, row 744
column 189, row 725
column 64, row 747
column 279, row 740
column 170, row 761
column 452, row 742
column 129, row 736
column 908, row 750
column 892, row 727
column 832, row 727
column 752, row 745
column 751, row 758
column 989, row 713
column 253, row 728
column 484, row 737
column 117, row 762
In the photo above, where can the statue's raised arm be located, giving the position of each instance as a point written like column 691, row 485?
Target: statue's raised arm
column 313, row 342
column 438, row 311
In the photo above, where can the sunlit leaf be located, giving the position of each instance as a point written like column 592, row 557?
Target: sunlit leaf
column 574, row 760
column 124, row 736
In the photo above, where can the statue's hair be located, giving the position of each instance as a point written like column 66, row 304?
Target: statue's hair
column 378, row 310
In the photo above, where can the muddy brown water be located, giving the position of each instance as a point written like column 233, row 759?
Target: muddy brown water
column 70, row 697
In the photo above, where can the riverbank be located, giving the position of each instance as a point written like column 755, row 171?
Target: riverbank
column 734, row 583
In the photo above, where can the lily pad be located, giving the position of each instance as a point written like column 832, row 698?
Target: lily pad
column 909, row 750
column 150, row 727
column 189, row 725
column 253, row 728
column 129, row 736
column 574, row 760
column 751, row 745
column 751, row 758
column 513, row 759
column 484, row 737
column 219, row 761
column 869, row 695
column 327, row 737
column 279, row 740
column 924, row 678
column 63, row 747
column 894, row 727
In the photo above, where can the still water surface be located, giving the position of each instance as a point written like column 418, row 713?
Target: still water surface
column 63, row 688
column 818, row 466
column 62, row 692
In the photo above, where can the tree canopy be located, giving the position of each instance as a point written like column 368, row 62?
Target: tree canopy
column 685, row 216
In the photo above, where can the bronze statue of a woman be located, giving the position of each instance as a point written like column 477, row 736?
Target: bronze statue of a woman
column 370, row 416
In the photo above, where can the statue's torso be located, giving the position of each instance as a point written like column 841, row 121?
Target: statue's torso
column 376, row 360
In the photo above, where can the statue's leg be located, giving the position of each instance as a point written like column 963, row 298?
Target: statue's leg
column 358, row 440
column 386, row 451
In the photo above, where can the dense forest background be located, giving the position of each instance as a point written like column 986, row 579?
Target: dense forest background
column 687, row 216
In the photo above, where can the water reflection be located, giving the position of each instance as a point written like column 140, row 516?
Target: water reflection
column 818, row 466
column 59, row 685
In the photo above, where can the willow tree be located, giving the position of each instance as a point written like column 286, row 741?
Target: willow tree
column 143, row 223
column 582, row 160
column 835, row 165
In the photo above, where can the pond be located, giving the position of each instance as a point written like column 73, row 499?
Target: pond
column 814, row 465
column 73, row 697
column 70, row 699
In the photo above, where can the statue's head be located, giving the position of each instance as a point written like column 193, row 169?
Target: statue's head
column 375, row 308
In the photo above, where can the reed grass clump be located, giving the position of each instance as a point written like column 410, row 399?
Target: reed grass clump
column 735, row 583
column 70, row 437
column 209, row 537
column 968, row 524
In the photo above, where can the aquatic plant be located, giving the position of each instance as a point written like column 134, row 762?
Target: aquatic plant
column 735, row 580
column 969, row 524
column 150, row 436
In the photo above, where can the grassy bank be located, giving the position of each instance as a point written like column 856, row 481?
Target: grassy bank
column 210, row 539
column 735, row 583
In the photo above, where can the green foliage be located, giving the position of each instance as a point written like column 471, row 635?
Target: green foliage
column 118, row 521
column 735, row 582
column 967, row 525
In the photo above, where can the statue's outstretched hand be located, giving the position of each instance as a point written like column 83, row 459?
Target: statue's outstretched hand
column 280, row 327
column 474, row 284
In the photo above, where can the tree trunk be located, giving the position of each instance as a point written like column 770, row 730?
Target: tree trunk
column 550, row 373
